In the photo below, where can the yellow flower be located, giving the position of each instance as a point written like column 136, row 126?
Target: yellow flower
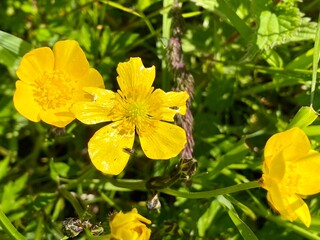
column 129, row 226
column 51, row 81
column 136, row 107
column 290, row 171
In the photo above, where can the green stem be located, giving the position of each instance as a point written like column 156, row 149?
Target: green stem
column 141, row 186
column 316, row 56
column 39, row 229
column 74, row 202
column 9, row 228
column 212, row 193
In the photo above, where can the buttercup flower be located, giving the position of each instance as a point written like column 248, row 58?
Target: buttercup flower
column 51, row 81
column 136, row 107
column 131, row 225
column 290, row 171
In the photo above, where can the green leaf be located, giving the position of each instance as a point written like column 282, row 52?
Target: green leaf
column 58, row 208
column 235, row 155
column 121, row 7
column 143, row 4
column 43, row 199
column 210, row 5
column 11, row 49
column 268, row 31
column 315, row 61
column 11, row 192
column 303, row 118
column 13, row 44
column 303, row 61
column 205, row 220
column 273, row 58
column 58, row 169
column 282, row 24
column 4, row 167
column 7, row 58
column 312, row 131
column 105, row 39
column 244, row 230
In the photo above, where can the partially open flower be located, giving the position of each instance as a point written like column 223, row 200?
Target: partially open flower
column 290, row 172
column 136, row 108
column 51, row 81
column 129, row 226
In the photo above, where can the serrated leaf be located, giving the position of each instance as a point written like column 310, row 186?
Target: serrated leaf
column 4, row 167
column 11, row 191
column 283, row 24
column 269, row 29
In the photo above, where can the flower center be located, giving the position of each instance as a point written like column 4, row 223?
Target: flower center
column 136, row 111
column 50, row 90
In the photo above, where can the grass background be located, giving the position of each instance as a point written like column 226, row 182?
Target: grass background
column 252, row 65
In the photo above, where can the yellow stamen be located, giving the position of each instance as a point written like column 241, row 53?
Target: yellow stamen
column 50, row 89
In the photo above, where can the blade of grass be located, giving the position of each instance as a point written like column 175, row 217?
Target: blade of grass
column 166, row 24
column 243, row 228
column 120, row 7
column 315, row 63
column 9, row 228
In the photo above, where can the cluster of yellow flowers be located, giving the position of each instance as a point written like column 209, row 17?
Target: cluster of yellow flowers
column 57, row 86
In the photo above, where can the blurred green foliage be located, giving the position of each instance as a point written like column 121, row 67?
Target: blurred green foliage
column 251, row 61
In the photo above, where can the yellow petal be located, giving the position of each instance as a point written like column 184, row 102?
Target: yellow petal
column 57, row 117
column 292, row 144
column 106, row 147
column 98, row 110
column 70, row 58
column 122, row 218
column 307, row 170
column 292, row 207
column 34, row 63
column 90, row 113
column 133, row 75
column 166, row 105
column 92, row 79
column 277, row 168
column 23, row 101
column 102, row 97
column 162, row 140
column 129, row 225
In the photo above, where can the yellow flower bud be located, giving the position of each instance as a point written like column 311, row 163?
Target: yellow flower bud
column 129, row 226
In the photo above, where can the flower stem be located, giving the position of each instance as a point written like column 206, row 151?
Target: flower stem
column 212, row 193
column 9, row 228
column 74, row 202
